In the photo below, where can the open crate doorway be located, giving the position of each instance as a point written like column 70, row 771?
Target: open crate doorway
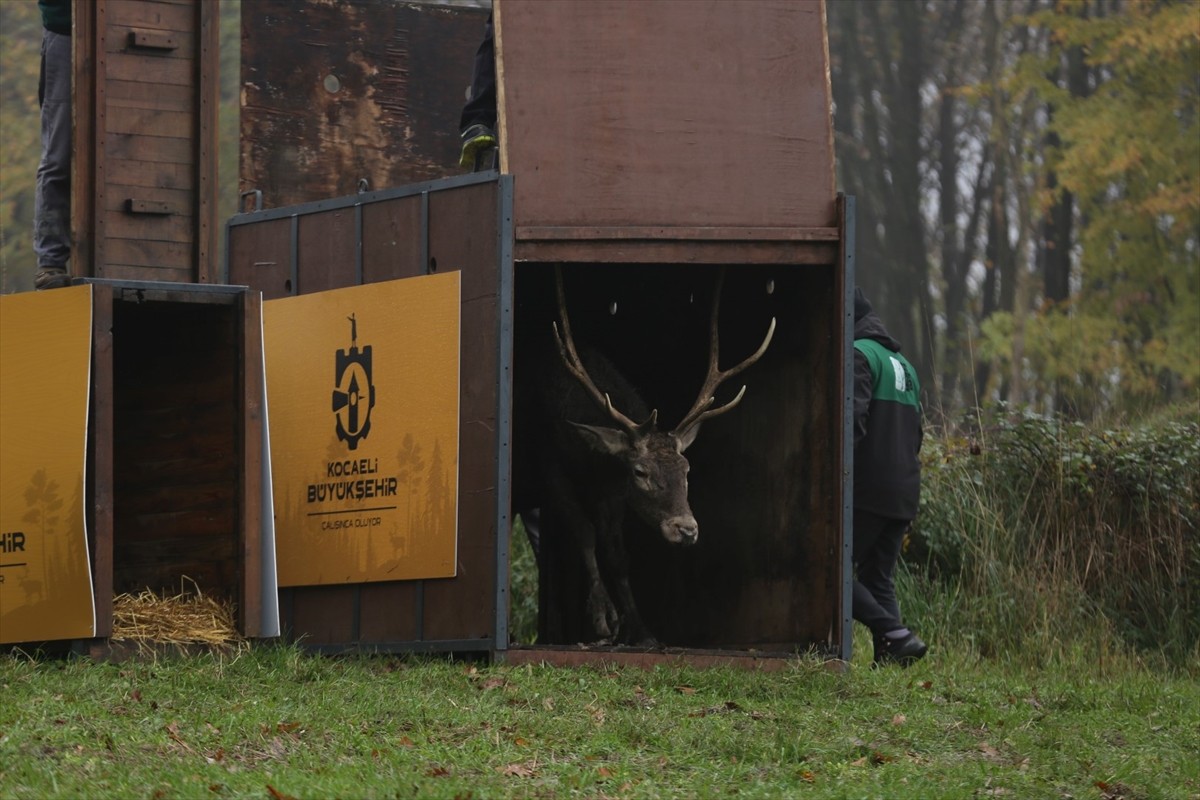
column 765, row 480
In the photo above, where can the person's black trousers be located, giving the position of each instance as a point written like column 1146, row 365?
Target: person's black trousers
column 877, row 542
column 481, row 108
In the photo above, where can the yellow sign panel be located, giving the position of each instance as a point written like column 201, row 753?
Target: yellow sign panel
column 45, row 366
column 362, row 387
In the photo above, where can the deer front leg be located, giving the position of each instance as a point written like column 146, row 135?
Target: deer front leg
column 600, row 608
column 602, row 614
column 630, row 627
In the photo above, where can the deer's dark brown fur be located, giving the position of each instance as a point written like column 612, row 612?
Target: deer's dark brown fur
column 588, row 450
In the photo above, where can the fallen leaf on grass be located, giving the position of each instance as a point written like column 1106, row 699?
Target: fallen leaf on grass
column 1114, row 791
column 172, row 729
column 807, row 775
column 438, row 772
column 405, row 742
column 988, row 750
column 685, row 690
column 604, row 772
column 492, row 683
column 278, row 795
column 525, row 770
column 287, row 727
column 899, row 719
column 724, row 708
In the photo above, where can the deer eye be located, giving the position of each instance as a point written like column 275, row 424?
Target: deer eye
column 640, row 472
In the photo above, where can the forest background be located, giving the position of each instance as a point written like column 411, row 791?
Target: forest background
column 1027, row 175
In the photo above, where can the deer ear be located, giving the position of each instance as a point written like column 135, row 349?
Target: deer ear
column 687, row 437
column 604, row 440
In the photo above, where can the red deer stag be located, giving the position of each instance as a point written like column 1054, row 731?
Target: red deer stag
column 591, row 463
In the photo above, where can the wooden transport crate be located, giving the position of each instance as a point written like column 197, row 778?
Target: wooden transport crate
column 175, row 446
column 647, row 147
column 458, row 224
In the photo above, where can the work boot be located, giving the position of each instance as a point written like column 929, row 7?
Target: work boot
column 904, row 650
column 478, row 143
column 51, row 278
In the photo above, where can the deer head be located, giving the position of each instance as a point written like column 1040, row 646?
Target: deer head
column 656, row 467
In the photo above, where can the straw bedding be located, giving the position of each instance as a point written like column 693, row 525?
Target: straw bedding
column 188, row 618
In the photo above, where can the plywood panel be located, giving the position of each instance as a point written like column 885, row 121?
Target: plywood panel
column 366, row 90
column 697, row 113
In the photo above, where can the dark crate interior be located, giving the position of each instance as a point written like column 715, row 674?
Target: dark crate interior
column 176, row 450
column 765, row 477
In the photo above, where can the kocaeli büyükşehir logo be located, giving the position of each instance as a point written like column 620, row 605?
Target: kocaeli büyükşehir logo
column 354, row 395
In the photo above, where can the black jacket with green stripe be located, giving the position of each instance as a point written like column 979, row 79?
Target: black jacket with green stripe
column 887, row 422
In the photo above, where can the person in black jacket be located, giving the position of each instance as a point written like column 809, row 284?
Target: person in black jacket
column 52, row 193
column 887, row 480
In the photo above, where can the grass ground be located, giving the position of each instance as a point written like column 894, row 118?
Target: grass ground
column 274, row 722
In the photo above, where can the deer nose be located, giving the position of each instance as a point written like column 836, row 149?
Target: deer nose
column 681, row 530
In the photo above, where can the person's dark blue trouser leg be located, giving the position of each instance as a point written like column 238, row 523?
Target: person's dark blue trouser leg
column 481, row 107
column 877, row 543
column 52, row 194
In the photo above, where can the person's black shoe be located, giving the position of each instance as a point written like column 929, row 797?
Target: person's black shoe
column 477, row 140
column 903, row 651
column 51, row 278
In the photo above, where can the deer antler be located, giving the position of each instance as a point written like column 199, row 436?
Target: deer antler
column 566, row 348
column 700, row 410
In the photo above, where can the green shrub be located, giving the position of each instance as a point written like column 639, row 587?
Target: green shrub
column 1038, row 534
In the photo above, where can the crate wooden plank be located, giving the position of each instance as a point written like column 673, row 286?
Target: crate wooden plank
column 130, row 172
column 100, row 451
column 155, row 14
column 324, row 614
column 156, row 96
column 327, row 247
column 400, row 624
column 203, row 467
column 694, row 658
column 392, row 239
column 160, row 149
column 260, row 255
column 116, row 269
column 151, row 122
column 171, row 257
column 676, row 252
column 214, row 576
column 249, row 424
column 218, row 497
column 163, row 71
column 172, row 228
